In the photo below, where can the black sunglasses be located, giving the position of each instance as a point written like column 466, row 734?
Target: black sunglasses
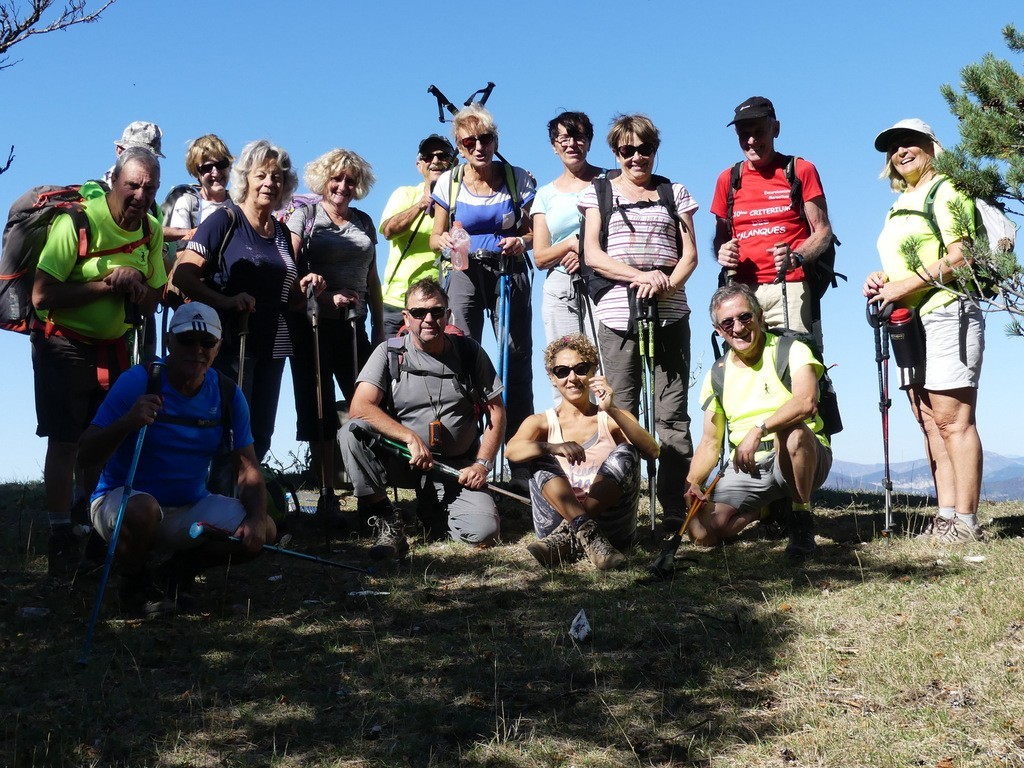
column 728, row 323
column 562, row 371
column 191, row 338
column 220, row 165
column 421, row 312
column 471, row 141
column 626, row 151
column 438, row 155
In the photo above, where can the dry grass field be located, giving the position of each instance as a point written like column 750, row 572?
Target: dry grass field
column 879, row 653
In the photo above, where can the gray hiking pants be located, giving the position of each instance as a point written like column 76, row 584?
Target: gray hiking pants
column 472, row 516
column 622, row 366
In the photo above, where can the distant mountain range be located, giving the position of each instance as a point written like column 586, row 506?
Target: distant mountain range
column 1003, row 479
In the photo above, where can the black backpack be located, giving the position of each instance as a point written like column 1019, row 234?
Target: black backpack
column 821, row 273
column 465, row 349
column 28, row 226
column 828, row 401
column 597, row 285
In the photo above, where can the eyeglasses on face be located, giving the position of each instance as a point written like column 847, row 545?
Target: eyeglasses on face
column 562, row 371
column 439, row 155
column 484, row 139
column 191, row 338
column 220, row 165
column 565, row 139
column 727, row 323
column 421, row 312
column 626, row 151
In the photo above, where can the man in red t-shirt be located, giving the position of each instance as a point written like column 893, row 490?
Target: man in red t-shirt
column 765, row 239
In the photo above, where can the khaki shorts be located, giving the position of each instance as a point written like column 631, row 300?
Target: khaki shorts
column 172, row 533
column 954, row 338
column 744, row 492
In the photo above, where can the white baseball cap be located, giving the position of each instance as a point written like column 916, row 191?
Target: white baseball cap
column 195, row 316
column 910, row 124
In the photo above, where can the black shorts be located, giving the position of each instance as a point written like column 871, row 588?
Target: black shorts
column 71, row 379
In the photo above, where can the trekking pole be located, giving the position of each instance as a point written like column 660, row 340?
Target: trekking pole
column 134, row 317
column 352, row 318
column 444, row 103
column 243, row 334
column 152, row 388
column 399, row 450
column 505, row 265
column 579, row 284
column 209, row 531
column 878, row 320
column 781, row 279
column 665, row 564
column 313, row 313
column 645, row 334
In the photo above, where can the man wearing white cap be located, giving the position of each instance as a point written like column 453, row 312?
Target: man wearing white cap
column 191, row 415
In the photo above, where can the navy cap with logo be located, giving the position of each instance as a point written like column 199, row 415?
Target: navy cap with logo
column 436, row 141
column 753, row 108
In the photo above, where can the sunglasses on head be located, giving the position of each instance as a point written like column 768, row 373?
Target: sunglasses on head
column 421, row 312
column 562, row 371
column 441, row 155
column 728, row 323
column 626, row 151
column 220, row 165
column 191, row 338
column 483, row 139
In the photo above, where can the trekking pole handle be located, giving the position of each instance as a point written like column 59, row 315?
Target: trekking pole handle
column 442, row 102
column 243, row 322
column 312, row 306
column 485, row 94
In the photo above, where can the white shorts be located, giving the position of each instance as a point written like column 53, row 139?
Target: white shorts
column 954, row 338
column 172, row 533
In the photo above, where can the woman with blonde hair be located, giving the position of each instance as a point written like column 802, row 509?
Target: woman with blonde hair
column 490, row 200
column 335, row 239
column 943, row 387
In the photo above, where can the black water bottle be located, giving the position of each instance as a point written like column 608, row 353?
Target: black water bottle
column 907, row 338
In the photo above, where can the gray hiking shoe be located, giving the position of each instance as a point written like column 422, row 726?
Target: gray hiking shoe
column 935, row 528
column 139, row 596
column 602, row 554
column 802, row 545
column 958, row 532
column 557, row 547
column 390, row 541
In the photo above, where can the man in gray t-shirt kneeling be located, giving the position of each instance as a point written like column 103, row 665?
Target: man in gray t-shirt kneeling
column 424, row 390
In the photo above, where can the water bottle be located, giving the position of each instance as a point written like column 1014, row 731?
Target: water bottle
column 459, row 252
column 907, row 338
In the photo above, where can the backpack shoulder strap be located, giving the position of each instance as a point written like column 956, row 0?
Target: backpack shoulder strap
column 735, row 180
column 796, row 187
column 782, row 361
column 513, row 193
column 454, row 185
column 718, row 379
column 603, row 188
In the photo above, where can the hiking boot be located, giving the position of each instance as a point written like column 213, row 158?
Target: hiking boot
column 801, row 544
column 94, row 557
column 139, row 596
column 62, row 553
column 602, row 554
column 958, row 532
column 390, row 536
column 176, row 578
column 557, row 547
column 936, row 527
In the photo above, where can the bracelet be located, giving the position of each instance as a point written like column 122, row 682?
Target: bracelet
column 522, row 242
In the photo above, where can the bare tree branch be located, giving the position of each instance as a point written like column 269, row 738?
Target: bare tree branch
column 18, row 24
column 10, row 159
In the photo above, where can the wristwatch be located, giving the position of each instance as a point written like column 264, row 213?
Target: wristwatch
column 797, row 258
column 487, row 463
column 764, row 429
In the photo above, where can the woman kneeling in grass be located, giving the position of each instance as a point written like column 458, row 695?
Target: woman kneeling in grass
column 584, row 463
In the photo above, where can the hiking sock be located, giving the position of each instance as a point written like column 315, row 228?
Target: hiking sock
column 947, row 513
column 968, row 520
column 576, row 522
column 804, row 506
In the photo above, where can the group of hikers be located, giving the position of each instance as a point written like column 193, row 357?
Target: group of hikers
column 251, row 275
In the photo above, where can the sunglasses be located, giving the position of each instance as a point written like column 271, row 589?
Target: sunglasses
column 562, row 371
column 626, row 151
column 484, row 139
column 440, row 155
column 728, row 323
column 220, row 165
column 421, row 312
column 191, row 338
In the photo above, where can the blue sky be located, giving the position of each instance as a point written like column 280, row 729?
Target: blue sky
column 316, row 75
